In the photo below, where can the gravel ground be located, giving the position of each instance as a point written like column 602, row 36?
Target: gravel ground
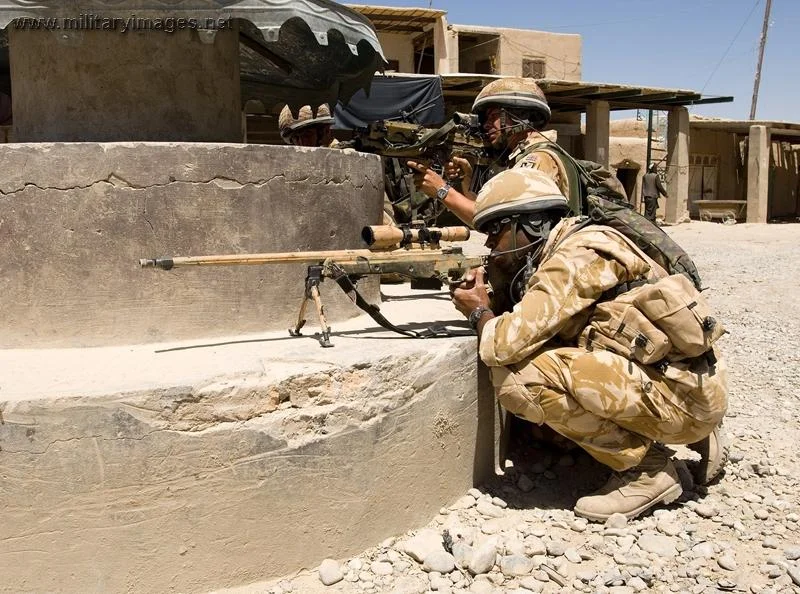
column 742, row 534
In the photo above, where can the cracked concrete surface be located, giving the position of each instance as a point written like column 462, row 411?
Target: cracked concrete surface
column 76, row 217
column 195, row 466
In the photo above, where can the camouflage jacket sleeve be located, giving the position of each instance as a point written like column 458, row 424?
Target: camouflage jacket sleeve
column 567, row 283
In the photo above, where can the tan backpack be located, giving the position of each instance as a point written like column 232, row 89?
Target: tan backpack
column 665, row 319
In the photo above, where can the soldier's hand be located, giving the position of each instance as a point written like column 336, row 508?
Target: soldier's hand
column 459, row 168
column 427, row 181
column 472, row 293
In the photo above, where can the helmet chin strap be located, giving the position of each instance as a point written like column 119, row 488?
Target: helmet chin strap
column 518, row 284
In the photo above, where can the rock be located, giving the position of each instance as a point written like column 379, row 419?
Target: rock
column 770, row 542
column 424, row 542
column 355, row 564
column 616, row 521
column 462, row 553
column 440, row 561
column 794, row 573
column 525, row 484
column 637, row 584
column 727, row 562
column 658, row 544
column 703, row 550
column 409, row 585
column 439, row 584
column 483, row 557
column 381, row 568
column 465, row 502
column 705, row 511
column 488, row 509
column 572, row 555
column 330, row 572
column 475, row 493
column 532, row 584
column 761, row 514
column 499, row 502
column 751, row 497
column 578, row 525
column 566, row 460
column 515, row 565
column 792, row 553
column 556, row 548
column 534, row 546
column 482, row 587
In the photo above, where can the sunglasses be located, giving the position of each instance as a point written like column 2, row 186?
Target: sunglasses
column 496, row 226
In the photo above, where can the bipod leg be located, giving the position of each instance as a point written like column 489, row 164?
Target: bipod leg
column 325, row 338
column 314, row 278
column 301, row 318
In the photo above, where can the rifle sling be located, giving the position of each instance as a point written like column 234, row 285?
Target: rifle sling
column 349, row 288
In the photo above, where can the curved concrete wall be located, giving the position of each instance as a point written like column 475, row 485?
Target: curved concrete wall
column 75, row 219
column 247, row 462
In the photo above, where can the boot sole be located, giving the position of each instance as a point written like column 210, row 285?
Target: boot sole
column 665, row 498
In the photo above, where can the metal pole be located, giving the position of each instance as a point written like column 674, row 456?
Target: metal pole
column 649, row 138
column 762, row 45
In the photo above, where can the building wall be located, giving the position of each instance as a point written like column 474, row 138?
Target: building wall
column 784, row 179
column 731, row 182
column 561, row 52
column 400, row 47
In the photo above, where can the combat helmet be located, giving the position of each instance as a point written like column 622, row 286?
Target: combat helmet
column 288, row 124
column 515, row 192
column 517, row 94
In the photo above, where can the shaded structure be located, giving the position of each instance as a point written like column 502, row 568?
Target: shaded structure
column 745, row 169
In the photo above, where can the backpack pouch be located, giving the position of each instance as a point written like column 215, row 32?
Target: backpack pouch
column 620, row 327
column 678, row 309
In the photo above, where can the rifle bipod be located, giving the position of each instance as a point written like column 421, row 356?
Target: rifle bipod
column 314, row 278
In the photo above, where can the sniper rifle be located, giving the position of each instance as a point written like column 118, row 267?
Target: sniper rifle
column 413, row 253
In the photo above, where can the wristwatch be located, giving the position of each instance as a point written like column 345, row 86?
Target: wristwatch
column 476, row 315
column 441, row 193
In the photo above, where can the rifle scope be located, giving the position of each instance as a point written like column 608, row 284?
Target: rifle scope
column 381, row 237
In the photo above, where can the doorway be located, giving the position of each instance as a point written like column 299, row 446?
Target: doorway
column 627, row 173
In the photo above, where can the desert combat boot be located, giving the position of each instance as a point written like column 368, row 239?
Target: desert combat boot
column 654, row 481
column 713, row 452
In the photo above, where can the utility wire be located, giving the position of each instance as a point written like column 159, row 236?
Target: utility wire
column 735, row 37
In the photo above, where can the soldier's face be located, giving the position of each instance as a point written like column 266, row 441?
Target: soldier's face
column 500, row 240
column 492, row 125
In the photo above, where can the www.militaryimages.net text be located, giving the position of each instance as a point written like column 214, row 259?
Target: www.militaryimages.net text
column 133, row 23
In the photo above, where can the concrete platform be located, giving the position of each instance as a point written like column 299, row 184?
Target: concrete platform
column 196, row 466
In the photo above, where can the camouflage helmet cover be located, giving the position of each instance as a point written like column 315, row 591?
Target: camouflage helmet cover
column 288, row 124
column 516, row 191
column 515, row 93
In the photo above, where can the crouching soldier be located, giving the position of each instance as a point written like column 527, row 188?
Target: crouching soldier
column 595, row 346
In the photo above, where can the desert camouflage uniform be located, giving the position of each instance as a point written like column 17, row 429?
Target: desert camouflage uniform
column 612, row 407
column 528, row 154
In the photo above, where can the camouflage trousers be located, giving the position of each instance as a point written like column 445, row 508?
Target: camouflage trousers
column 610, row 406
